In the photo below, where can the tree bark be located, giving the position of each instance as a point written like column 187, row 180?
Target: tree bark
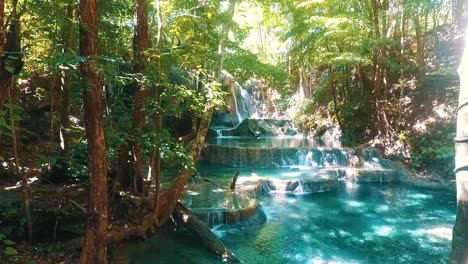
column 140, row 48
column 94, row 247
column 203, row 232
column 170, row 197
column 10, row 49
column 459, row 252
column 155, row 164
column 2, row 21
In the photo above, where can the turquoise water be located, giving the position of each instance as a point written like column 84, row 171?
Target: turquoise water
column 358, row 223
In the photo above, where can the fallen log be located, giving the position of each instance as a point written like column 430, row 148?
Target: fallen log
column 184, row 216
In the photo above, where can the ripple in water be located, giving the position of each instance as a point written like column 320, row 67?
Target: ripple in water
column 362, row 224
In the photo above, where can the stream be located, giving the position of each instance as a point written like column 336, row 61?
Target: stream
column 323, row 203
column 356, row 223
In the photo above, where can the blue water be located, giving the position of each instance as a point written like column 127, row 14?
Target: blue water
column 358, row 223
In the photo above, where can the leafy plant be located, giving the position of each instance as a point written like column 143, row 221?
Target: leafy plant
column 434, row 150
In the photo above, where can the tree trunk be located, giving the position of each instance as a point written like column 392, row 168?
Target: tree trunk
column 140, row 48
column 170, row 197
column 66, row 89
column 459, row 252
column 419, row 49
column 94, row 247
column 155, row 163
column 24, row 183
column 203, row 232
column 224, row 35
column 10, row 56
column 2, row 21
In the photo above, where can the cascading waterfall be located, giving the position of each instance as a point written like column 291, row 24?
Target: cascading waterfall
column 245, row 104
column 238, row 115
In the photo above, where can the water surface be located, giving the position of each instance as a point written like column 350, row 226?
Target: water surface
column 358, row 223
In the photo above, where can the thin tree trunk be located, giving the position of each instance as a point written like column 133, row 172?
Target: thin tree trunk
column 25, row 189
column 419, row 49
column 94, row 247
column 52, row 122
column 459, row 252
column 66, row 90
column 155, row 166
column 2, row 30
column 402, row 58
column 335, row 103
column 170, row 197
column 140, row 48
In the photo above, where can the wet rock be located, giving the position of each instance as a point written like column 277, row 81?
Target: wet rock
column 372, row 175
column 216, row 205
column 272, row 156
column 307, row 182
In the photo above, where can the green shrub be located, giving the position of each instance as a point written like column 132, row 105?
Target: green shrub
column 434, row 150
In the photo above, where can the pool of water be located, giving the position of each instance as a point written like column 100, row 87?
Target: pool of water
column 357, row 223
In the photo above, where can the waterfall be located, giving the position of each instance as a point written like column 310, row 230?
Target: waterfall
column 215, row 218
column 238, row 115
column 243, row 104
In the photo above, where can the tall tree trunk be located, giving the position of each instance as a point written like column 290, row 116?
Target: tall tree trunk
column 3, row 88
column 459, row 253
column 170, row 197
column 24, row 183
column 66, row 89
column 224, row 35
column 94, row 247
column 10, row 56
column 334, row 95
column 155, row 164
column 419, row 48
column 2, row 21
column 140, row 48
column 382, row 128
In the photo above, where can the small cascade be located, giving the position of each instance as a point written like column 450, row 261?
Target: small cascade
column 243, row 103
column 281, row 187
column 306, row 158
column 219, row 133
column 237, row 112
column 300, row 188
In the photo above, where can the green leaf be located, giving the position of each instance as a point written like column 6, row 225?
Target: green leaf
column 9, row 68
column 9, row 251
column 8, row 242
column 2, row 236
